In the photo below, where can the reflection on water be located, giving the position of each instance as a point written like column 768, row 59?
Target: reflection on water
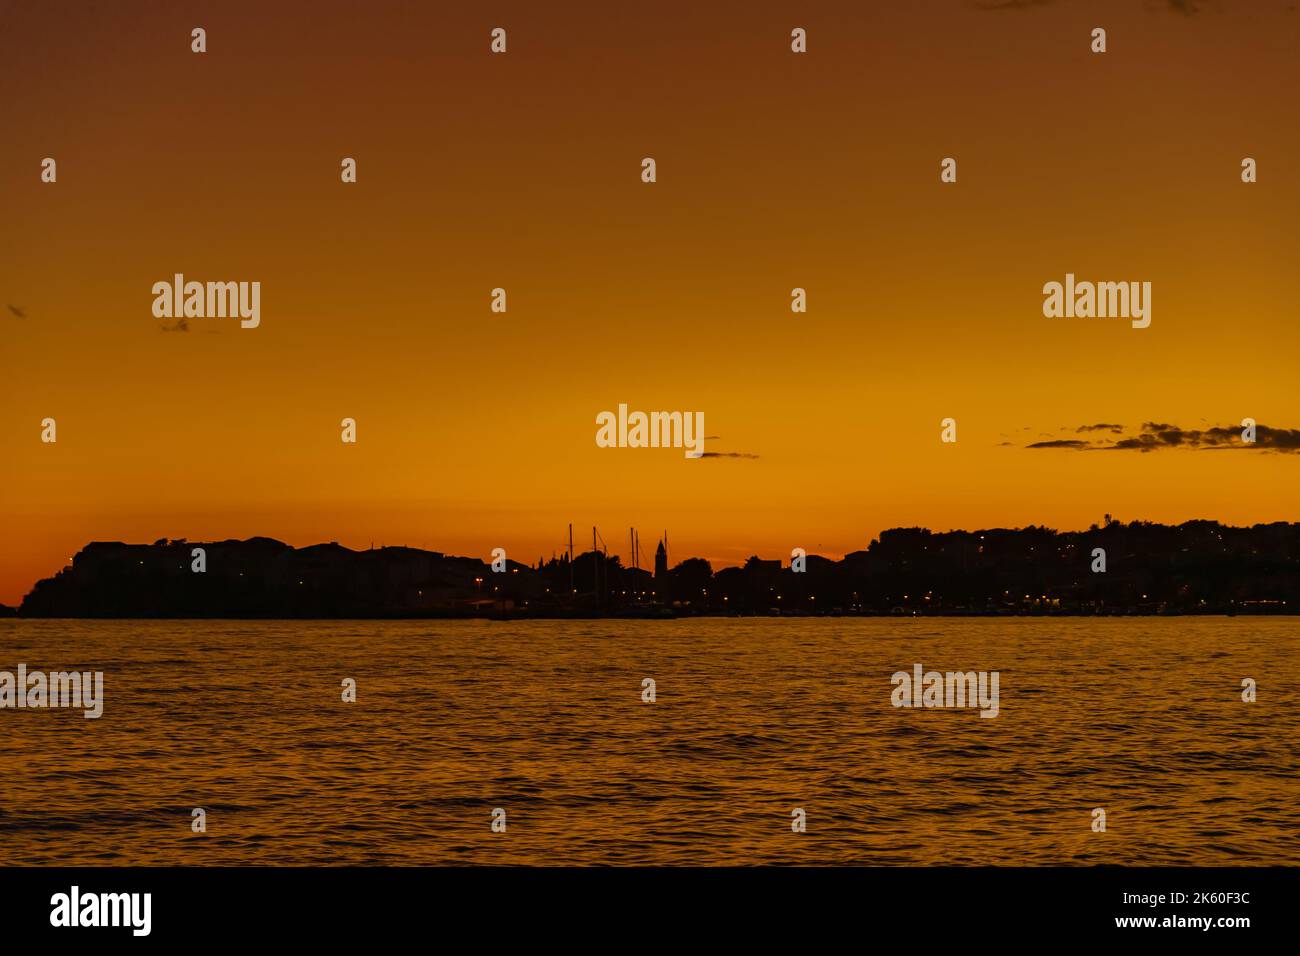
column 753, row 718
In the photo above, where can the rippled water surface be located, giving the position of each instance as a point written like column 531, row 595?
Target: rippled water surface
column 753, row 718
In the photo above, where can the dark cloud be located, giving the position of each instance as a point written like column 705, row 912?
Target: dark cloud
column 17, row 311
column 180, row 326
column 1161, row 436
column 1060, row 443
column 1011, row 4
column 1186, row 8
column 727, row 454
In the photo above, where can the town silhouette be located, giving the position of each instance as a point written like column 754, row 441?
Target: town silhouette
column 1198, row 567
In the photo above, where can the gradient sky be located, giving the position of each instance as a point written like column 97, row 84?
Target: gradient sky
column 476, row 430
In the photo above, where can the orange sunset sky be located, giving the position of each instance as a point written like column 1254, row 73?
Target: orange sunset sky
column 522, row 170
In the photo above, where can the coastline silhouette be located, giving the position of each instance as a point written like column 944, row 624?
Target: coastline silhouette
column 1198, row 567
